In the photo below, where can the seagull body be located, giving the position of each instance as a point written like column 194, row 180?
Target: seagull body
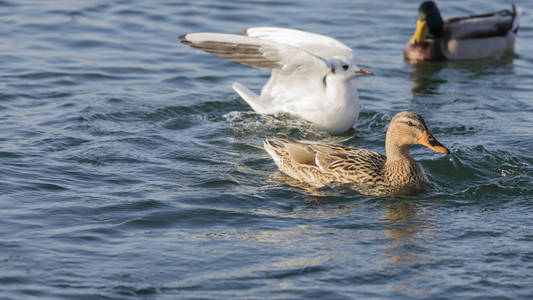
column 311, row 73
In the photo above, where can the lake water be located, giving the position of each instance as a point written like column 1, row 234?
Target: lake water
column 130, row 169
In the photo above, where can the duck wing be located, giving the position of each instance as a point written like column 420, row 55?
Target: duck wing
column 482, row 26
column 256, row 52
column 352, row 164
column 319, row 164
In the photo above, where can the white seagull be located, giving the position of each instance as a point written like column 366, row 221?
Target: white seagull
column 311, row 73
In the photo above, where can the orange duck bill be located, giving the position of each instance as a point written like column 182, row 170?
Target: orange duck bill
column 429, row 141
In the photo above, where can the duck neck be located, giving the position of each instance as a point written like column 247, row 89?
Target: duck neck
column 395, row 152
column 400, row 167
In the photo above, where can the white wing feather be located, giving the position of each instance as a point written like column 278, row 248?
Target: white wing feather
column 256, row 52
column 316, row 44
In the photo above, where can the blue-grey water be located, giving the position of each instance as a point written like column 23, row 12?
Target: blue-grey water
column 130, row 169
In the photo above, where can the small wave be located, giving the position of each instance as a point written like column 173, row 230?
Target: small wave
column 248, row 124
column 199, row 217
column 7, row 154
column 481, row 173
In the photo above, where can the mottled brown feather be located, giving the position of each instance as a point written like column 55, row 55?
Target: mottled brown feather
column 364, row 169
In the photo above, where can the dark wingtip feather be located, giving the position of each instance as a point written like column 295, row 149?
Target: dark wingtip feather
column 184, row 40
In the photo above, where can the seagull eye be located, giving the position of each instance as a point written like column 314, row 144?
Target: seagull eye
column 410, row 123
column 345, row 67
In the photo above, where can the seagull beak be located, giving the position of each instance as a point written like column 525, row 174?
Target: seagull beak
column 363, row 72
column 429, row 141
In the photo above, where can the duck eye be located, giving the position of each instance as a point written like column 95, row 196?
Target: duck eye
column 410, row 123
column 345, row 67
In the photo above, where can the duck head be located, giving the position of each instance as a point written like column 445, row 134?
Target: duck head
column 429, row 23
column 405, row 129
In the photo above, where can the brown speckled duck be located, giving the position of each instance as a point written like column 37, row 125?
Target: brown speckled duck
column 367, row 171
column 469, row 37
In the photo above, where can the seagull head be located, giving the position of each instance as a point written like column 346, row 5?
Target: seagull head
column 346, row 69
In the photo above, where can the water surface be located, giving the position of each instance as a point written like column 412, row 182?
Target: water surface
column 130, row 169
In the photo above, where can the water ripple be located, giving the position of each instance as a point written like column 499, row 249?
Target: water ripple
column 130, row 168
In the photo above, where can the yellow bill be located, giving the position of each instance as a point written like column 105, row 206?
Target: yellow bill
column 420, row 32
column 429, row 141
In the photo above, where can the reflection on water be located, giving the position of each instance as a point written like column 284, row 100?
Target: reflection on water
column 425, row 77
column 405, row 227
column 428, row 76
column 404, row 223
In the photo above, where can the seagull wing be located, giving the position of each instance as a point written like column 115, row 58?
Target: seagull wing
column 256, row 52
column 316, row 44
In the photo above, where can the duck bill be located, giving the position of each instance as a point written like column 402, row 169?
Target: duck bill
column 420, row 32
column 364, row 72
column 429, row 141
